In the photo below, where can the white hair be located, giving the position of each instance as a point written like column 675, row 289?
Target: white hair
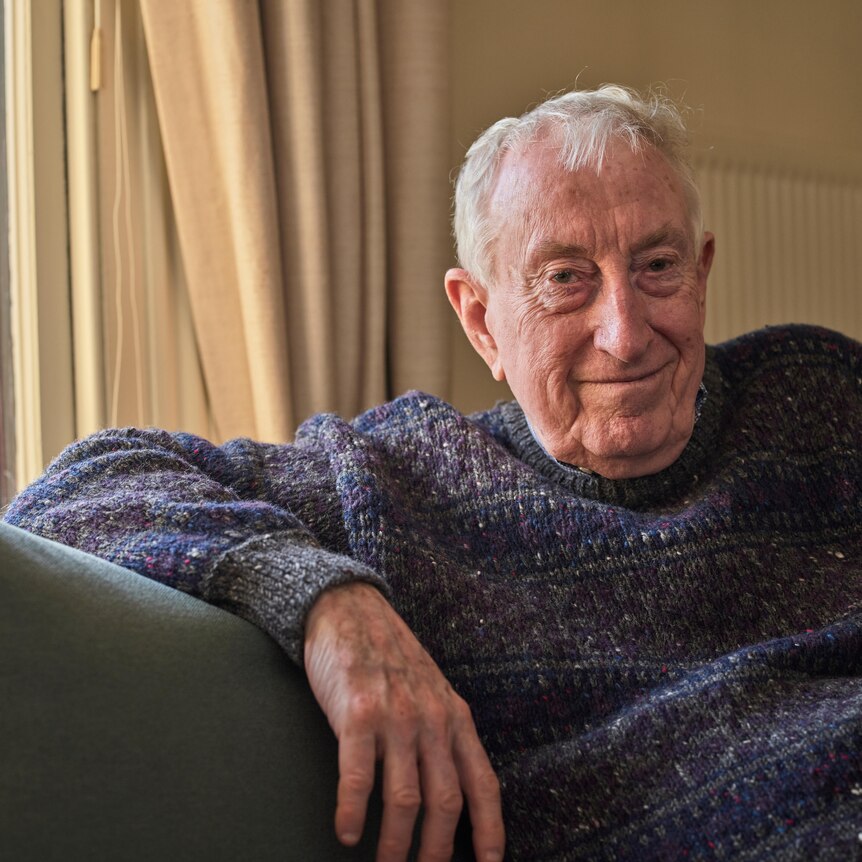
column 584, row 122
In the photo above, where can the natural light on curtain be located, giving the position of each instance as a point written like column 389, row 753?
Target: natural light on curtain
column 253, row 216
column 270, row 213
column 135, row 354
column 307, row 148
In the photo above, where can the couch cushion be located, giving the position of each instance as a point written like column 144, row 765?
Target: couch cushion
column 139, row 723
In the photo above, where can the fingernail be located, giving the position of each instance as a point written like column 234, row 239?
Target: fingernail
column 352, row 838
column 493, row 856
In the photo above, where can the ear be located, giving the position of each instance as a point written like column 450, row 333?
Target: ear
column 707, row 252
column 470, row 301
column 704, row 265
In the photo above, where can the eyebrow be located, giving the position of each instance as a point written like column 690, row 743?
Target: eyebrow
column 665, row 235
column 551, row 248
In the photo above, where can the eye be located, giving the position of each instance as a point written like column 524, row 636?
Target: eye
column 660, row 264
column 564, row 276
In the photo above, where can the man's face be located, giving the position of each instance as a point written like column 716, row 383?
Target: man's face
column 595, row 317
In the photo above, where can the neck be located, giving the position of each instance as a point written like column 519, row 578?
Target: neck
column 650, row 491
column 623, row 466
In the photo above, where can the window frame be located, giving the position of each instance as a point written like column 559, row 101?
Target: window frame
column 39, row 296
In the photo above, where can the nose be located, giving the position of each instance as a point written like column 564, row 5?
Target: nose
column 621, row 326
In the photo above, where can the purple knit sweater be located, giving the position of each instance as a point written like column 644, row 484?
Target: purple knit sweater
column 660, row 668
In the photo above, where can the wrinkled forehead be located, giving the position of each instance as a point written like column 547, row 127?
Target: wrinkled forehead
column 526, row 190
column 535, row 173
column 534, row 190
column 531, row 168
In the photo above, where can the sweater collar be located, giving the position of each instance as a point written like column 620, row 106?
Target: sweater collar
column 662, row 489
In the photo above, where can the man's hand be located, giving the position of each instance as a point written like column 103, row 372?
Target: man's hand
column 386, row 699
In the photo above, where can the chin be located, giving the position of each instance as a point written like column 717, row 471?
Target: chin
column 628, row 447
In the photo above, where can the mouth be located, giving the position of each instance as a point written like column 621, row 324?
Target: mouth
column 641, row 377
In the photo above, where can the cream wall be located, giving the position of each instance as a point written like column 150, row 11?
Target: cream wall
column 777, row 80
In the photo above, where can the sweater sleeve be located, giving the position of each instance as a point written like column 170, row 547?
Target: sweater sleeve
column 216, row 522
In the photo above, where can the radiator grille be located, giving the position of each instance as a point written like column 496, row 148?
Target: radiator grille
column 788, row 249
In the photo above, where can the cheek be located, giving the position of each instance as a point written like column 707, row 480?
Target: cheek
column 522, row 334
column 681, row 323
column 691, row 336
column 529, row 322
column 686, row 340
column 547, row 342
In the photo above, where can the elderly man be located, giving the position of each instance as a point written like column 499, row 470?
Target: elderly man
column 644, row 576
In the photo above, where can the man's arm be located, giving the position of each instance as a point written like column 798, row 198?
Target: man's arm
column 200, row 518
column 210, row 521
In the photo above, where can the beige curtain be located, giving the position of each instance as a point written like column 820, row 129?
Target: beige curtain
column 307, row 151
column 136, row 356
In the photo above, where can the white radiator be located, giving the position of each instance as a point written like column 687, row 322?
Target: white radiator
column 788, row 249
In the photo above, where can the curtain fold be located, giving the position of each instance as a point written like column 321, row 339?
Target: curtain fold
column 306, row 145
column 207, row 67
column 128, row 281
column 414, row 38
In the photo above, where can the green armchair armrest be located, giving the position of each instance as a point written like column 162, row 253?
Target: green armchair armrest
column 138, row 723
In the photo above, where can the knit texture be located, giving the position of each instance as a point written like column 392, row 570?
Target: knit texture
column 660, row 668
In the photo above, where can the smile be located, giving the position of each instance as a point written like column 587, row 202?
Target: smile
column 638, row 378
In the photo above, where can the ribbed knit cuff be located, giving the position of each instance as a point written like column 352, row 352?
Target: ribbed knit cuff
column 274, row 579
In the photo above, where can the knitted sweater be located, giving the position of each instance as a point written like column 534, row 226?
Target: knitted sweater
column 667, row 667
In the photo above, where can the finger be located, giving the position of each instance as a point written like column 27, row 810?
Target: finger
column 401, row 801
column 356, row 758
column 482, row 791
column 441, row 796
